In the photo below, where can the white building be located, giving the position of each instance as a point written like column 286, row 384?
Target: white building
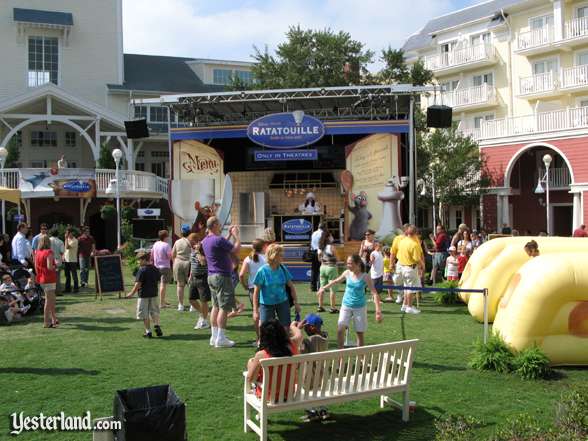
column 66, row 88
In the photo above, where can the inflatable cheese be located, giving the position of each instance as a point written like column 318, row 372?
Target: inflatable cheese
column 546, row 303
column 499, row 262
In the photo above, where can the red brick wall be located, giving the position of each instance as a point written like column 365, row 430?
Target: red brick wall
column 489, row 205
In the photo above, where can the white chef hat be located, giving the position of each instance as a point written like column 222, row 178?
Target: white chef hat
column 310, row 196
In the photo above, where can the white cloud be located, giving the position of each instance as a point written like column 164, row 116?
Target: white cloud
column 187, row 28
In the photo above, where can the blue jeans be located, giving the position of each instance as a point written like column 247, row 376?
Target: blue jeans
column 279, row 310
column 84, row 268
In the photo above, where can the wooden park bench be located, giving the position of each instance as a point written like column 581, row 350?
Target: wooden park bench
column 330, row 377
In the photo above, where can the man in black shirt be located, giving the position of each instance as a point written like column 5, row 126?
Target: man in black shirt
column 146, row 285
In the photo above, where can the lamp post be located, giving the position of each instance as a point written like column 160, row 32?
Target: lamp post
column 539, row 190
column 3, row 155
column 117, row 155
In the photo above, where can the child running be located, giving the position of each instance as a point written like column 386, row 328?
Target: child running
column 387, row 272
column 146, row 285
column 354, row 301
column 452, row 264
column 251, row 265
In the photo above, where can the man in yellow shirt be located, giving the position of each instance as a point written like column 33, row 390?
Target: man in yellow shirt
column 397, row 273
column 410, row 260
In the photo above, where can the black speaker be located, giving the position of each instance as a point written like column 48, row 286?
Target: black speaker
column 439, row 116
column 137, row 129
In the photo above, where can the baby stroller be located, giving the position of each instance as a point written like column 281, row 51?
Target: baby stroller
column 31, row 295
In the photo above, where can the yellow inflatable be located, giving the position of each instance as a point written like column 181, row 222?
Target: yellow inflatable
column 546, row 303
column 493, row 265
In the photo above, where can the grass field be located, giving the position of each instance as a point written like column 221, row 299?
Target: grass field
column 99, row 349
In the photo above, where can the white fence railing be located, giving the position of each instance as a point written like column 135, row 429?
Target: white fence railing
column 576, row 76
column 474, row 132
column 564, row 119
column 460, row 56
column 537, row 83
column 558, row 177
column 535, row 38
column 578, row 27
column 130, row 181
column 469, row 96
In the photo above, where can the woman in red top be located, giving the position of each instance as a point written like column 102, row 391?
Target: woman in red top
column 47, row 277
column 274, row 342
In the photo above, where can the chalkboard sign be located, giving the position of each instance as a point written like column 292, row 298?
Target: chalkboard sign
column 109, row 277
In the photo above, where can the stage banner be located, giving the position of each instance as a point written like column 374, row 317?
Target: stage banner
column 285, row 155
column 372, row 161
column 197, row 180
column 58, row 182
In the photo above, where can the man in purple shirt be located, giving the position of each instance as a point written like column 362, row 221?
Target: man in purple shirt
column 218, row 252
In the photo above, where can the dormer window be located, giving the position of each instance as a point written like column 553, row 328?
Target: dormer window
column 43, row 61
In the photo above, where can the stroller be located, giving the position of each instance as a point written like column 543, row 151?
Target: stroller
column 33, row 296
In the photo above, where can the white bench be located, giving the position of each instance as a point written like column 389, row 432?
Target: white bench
column 330, row 377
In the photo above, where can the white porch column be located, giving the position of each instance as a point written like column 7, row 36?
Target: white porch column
column 505, row 211
column 578, row 212
column 498, row 212
column 130, row 154
column 558, row 20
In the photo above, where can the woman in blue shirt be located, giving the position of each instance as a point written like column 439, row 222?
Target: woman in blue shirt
column 270, row 299
column 353, row 305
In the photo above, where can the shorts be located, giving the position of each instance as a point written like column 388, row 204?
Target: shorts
column 378, row 284
column 147, row 307
column 222, row 292
column 388, row 277
column 281, row 311
column 410, row 277
column 166, row 275
column 397, row 278
column 199, row 289
column 48, row 286
column 328, row 273
column 452, row 277
column 181, row 272
column 358, row 315
column 439, row 260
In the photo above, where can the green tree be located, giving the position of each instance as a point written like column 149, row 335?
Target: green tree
column 13, row 153
column 396, row 70
column 310, row 58
column 455, row 165
column 105, row 160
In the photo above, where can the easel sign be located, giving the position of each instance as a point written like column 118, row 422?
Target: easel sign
column 109, row 275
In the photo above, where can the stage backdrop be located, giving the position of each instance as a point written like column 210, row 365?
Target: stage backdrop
column 372, row 161
column 197, row 176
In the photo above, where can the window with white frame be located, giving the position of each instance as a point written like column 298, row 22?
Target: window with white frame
column 480, row 39
column 43, row 138
column 448, row 47
column 222, row 76
column 160, row 154
column 582, row 12
column 478, row 119
column 449, row 86
column 39, row 164
column 43, row 61
column 72, row 164
column 545, row 66
column 140, row 112
column 157, row 114
column 582, row 58
column 70, row 139
column 140, row 166
column 244, row 75
column 158, row 168
column 486, row 78
column 541, row 22
column 583, row 102
column 458, row 218
column 141, row 154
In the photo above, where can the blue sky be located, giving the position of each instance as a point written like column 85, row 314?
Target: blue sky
column 228, row 29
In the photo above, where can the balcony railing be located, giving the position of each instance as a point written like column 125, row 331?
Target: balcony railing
column 458, row 57
column 535, row 38
column 534, row 84
column 578, row 27
column 564, row 119
column 558, row 177
column 576, row 76
column 474, row 132
column 470, row 96
column 130, row 181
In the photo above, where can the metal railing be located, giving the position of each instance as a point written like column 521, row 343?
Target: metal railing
column 537, row 83
column 535, row 38
column 9, row 178
column 578, row 27
column 457, row 57
column 469, row 96
column 558, row 177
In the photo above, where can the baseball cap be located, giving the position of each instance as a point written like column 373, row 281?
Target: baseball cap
column 452, row 248
column 186, row 228
column 314, row 320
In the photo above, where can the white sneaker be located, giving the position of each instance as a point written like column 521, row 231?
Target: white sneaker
column 180, row 307
column 204, row 324
column 411, row 310
column 399, row 299
column 212, row 340
column 403, row 308
column 198, row 324
column 224, row 342
column 192, row 309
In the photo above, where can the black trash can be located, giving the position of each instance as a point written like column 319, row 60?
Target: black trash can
column 150, row 414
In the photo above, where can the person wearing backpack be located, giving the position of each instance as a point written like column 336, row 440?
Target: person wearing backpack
column 270, row 298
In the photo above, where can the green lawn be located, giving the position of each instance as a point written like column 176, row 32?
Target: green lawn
column 99, row 349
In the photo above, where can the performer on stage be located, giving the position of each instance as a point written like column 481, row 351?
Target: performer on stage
column 310, row 206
